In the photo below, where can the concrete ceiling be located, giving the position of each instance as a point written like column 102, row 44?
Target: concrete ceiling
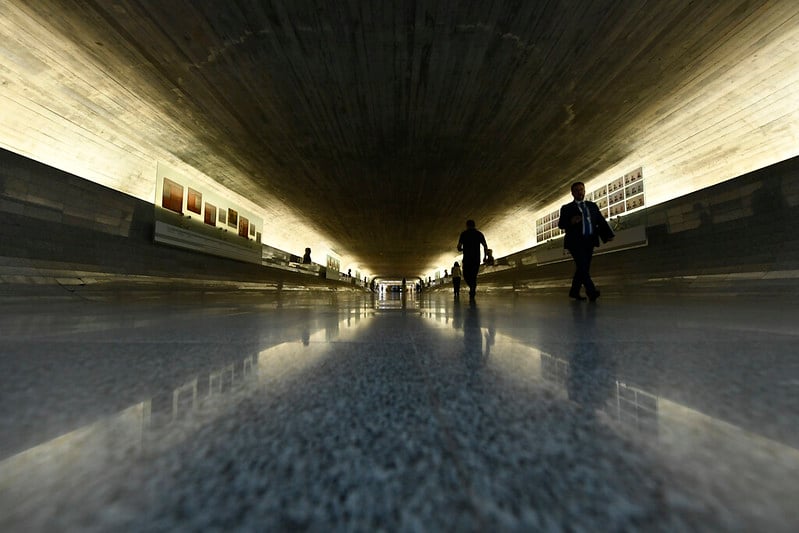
column 384, row 125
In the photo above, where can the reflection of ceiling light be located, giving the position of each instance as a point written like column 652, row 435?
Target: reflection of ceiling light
column 73, row 453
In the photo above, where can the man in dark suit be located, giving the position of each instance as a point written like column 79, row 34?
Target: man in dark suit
column 584, row 226
column 469, row 243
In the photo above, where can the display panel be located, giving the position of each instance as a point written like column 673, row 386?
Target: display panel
column 620, row 195
column 613, row 199
column 208, row 207
column 547, row 227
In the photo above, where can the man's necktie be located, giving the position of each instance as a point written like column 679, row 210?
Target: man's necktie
column 586, row 218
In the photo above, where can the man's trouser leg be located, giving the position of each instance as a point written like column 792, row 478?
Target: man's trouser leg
column 470, row 276
column 582, row 253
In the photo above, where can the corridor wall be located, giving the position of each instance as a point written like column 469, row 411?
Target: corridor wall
column 59, row 229
column 740, row 236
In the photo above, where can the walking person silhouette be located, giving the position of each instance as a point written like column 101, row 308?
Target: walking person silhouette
column 469, row 243
column 585, row 226
column 456, row 279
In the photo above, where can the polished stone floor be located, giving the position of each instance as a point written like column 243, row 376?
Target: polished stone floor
column 246, row 412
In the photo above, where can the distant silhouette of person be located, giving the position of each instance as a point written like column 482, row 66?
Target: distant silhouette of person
column 469, row 243
column 456, row 279
column 584, row 226
column 306, row 259
column 489, row 259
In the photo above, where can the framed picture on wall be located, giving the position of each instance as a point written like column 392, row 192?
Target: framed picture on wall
column 172, row 197
column 222, row 216
column 232, row 218
column 194, row 201
column 210, row 214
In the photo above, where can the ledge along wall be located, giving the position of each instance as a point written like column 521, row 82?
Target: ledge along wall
column 738, row 237
column 62, row 231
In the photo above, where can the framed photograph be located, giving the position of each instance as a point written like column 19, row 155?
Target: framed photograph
column 172, row 197
column 232, row 218
column 194, row 201
column 223, row 216
column 210, row 214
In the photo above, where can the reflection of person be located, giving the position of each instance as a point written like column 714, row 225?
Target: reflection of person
column 306, row 259
column 491, row 339
column 469, row 243
column 591, row 379
column 584, row 226
column 457, row 317
column 456, row 279
column 472, row 340
column 489, row 260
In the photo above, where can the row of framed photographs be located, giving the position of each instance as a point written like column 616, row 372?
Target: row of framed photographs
column 546, row 227
column 613, row 199
column 620, row 195
column 172, row 199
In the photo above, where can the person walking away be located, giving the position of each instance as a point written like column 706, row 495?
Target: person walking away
column 584, row 225
column 456, row 279
column 469, row 243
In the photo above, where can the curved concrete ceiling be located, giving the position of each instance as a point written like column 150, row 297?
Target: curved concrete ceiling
column 383, row 126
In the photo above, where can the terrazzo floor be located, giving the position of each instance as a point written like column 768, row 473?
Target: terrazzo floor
column 245, row 412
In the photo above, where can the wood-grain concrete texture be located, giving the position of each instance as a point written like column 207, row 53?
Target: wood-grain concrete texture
column 377, row 128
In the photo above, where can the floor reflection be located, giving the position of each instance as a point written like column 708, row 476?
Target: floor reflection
column 85, row 454
column 442, row 372
column 407, row 299
column 725, row 457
